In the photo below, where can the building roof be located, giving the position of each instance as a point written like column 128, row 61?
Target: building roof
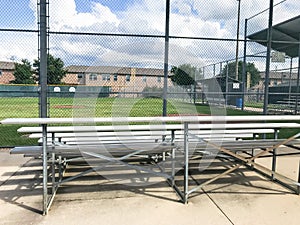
column 116, row 70
column 285, row 36
column 7, row 65
column 100, row 69
column 92, row 69
column 279, row 75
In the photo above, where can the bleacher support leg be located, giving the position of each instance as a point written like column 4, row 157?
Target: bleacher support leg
column 45, row 172
column 274, row 161
column 298, row 188
column 186, row 164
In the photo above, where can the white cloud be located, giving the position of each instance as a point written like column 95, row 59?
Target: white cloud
column 145, row 18
column 195, row 18
column 65, row 17
column 183, row 7
column 195, row 27
column 151, row 57
column 215, row 10
column 17, row 47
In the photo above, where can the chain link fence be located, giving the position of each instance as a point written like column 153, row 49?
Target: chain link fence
column 121, row 58
column 282, row 75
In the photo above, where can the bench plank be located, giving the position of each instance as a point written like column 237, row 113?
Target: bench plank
column 178, row 119
column 152, row 133
column 55, row 129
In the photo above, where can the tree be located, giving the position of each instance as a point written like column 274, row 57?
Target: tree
column 23, row 73
column 250, row 68
column 185, row 74
column 55, row 68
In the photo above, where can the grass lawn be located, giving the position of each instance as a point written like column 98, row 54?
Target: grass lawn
column 102, row 107
column 10, row 137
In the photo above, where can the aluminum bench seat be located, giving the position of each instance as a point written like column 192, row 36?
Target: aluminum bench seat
column 120, row 149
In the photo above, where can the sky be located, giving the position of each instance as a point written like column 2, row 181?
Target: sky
column 195, row 18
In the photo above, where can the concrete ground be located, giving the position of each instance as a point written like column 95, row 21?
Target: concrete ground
column 241, row 198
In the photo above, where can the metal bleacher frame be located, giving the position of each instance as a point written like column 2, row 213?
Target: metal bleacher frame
column 183, row 148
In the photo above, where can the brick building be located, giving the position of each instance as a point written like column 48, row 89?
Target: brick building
column 120, row 79
column 6, row 72
column 276, row 78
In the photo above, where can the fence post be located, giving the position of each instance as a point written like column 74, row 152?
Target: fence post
column 43, row 94
column 266, row 94
column 166, row 59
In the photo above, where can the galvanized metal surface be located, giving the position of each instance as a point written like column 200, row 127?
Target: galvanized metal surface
column 231, row 149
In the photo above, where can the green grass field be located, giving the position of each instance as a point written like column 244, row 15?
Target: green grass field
column 102, row 107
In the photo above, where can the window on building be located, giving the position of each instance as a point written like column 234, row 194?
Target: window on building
column 105, row 76
column 158, row 79
column 80, row 75
column 144, row 79
column 93, row 76
column 115, row 77
column 127, row 78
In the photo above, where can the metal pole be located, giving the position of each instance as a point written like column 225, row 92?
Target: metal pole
column 237, row 42
column 214, row 70
column 298, row 188
column 290, row 78
column 226, row 83
column 43, row 94
column 166, row 59
column 221, row 65
column 298, row 77
column 186, row 163
column 274, row 159
column 173, row 167
column 268, row 60
column 195, row 87
column 244, row 74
